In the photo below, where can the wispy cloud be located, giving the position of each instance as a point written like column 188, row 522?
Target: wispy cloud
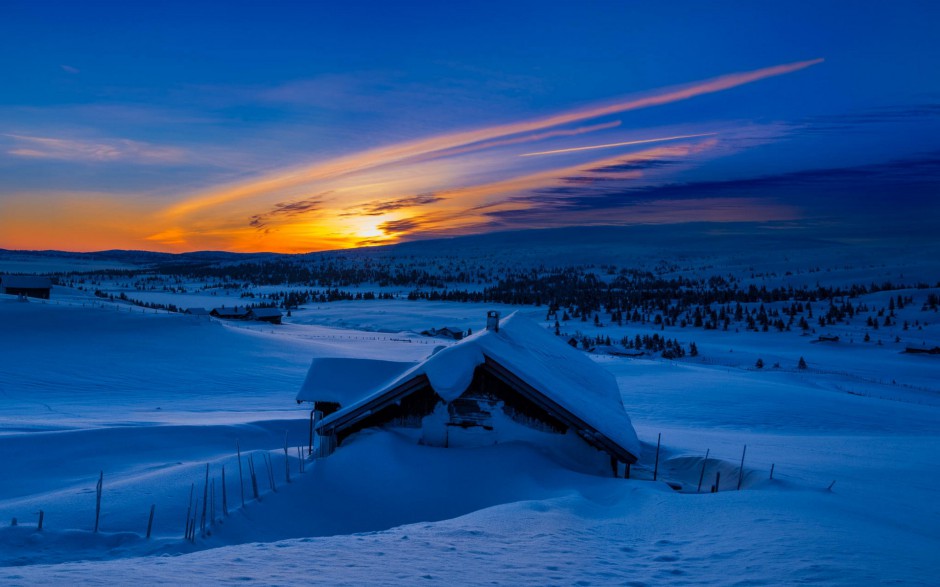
column 379, row 207
column 288, row 210
column 102, row 151
column 399, row 226
column 440, row 145
column 620, row 144
column 70, row 69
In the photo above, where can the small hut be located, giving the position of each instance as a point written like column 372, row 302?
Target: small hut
column 31, row 286
column 229, row 313
column 514, row 381
column 449, row 332
column 270, row 315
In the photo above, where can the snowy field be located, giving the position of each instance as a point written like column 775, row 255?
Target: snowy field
column 149, row 398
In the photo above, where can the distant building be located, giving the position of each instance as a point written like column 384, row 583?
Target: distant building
column 33, row 286
column 271, row 315
column 229, row 313
column 512, row 381
column 450, row 332
column 198, row 312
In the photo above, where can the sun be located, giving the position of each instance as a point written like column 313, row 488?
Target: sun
column 369, row 228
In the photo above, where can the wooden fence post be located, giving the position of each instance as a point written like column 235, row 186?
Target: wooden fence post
column 224, row 495
column 189, row 511
column 98, row 499
column 254, row 478
column 701, row 477
column 150, row 521
column 241, row 480
column 656, row 466
column 212, row 506
column 205, row 503
column 741, row 469
column 286, row 458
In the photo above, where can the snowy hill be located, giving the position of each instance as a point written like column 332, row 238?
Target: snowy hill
column 91, row 383
column 150, row 398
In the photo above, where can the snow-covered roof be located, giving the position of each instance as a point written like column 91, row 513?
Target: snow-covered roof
column 348, row 380
column 197, row 311
column 26, row 281
column 229, row 312
column 266, row 312
column 561, row 374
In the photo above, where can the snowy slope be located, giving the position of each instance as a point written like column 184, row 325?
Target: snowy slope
column 150, row 398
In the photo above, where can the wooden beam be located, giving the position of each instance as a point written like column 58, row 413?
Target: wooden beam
column 342, row 420
column 590, row 434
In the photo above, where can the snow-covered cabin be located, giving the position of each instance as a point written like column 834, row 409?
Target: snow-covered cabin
column 272, row 315
column 512, row 381
column 229, row 313
column 446, row 332
column 33, row 286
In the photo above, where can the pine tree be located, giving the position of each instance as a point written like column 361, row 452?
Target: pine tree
column 802, row 364
column 759, row 364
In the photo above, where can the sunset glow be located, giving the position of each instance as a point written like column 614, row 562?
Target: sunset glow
column 346, row 155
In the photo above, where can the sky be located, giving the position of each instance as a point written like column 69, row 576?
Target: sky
column 300, row 126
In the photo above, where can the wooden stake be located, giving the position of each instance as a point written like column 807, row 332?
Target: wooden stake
column 224, row 495
column 189, row 510
column 656, row 467
column 286, row 459
column 192, row 532
column 150, row 521
column 241, row 479
column 771, row 470
column 205, row 502
column 717, row 482
column 254, row 478
column 212, row 506
column 41, row 516
column 300, row 460
column 741, row 469
column 310, row 450
column 701, row 477
column 269, row 468
column 98, row 499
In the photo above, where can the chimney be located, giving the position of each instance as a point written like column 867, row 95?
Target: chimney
column 492, row 320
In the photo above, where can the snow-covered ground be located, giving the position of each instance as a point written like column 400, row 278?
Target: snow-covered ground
column 149, row 398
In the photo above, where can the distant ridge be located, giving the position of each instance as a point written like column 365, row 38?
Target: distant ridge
column 581, row 245
column 142, row 257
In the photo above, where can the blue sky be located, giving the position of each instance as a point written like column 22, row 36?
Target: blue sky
column 297, row 126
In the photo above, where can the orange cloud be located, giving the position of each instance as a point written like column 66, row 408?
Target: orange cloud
column 275, row 184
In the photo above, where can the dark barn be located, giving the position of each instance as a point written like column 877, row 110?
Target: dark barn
column 31, row 286
column 270, row 315
column 229, row 313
